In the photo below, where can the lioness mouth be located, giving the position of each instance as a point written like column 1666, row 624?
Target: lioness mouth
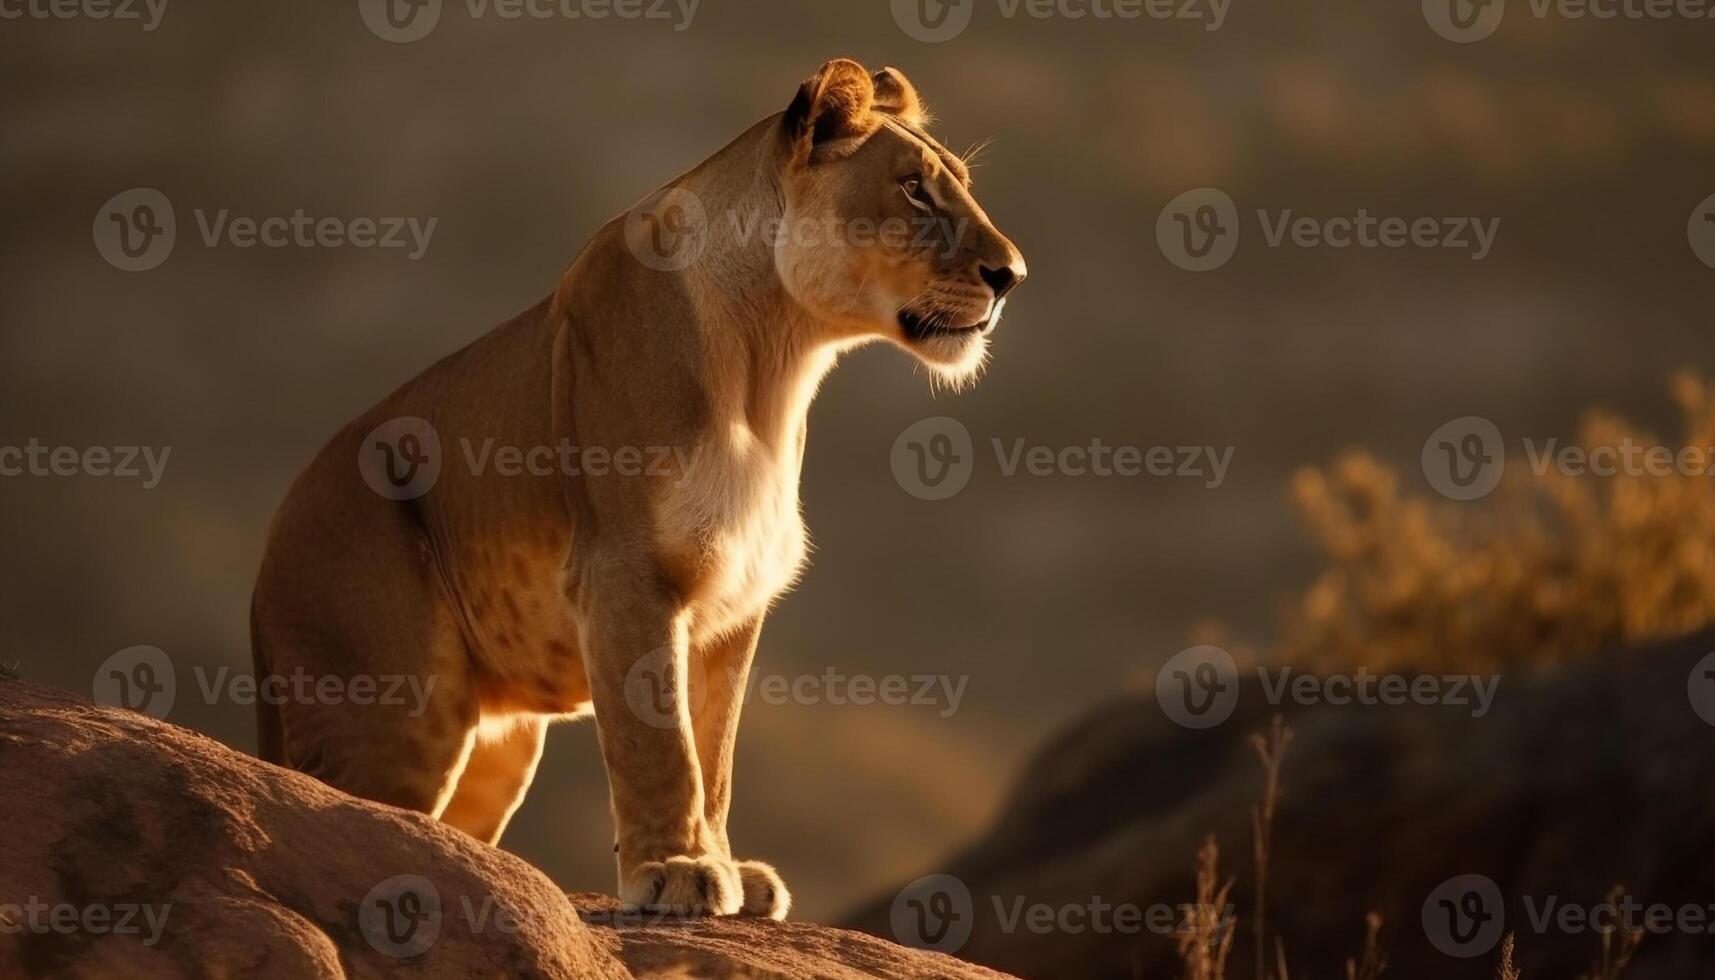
column 918, row 327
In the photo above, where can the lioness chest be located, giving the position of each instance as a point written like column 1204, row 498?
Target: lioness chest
column 732, row 518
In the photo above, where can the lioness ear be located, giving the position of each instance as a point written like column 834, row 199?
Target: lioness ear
column 833, row 104
column 895, row 95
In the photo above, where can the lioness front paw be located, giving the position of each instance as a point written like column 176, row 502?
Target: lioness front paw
column 764, row 893
column 683, row 886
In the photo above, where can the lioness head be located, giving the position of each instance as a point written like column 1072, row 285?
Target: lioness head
column 883, row 236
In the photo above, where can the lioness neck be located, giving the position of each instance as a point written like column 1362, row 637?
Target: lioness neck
column 765, row 353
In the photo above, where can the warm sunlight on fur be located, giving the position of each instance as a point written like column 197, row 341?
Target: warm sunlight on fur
column 640, row 596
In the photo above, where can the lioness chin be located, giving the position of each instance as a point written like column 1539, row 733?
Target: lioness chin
column 634, row 583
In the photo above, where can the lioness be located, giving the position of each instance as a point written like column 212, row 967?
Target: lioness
column 633, row 584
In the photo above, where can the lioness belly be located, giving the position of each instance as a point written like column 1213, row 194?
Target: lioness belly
column 524, row 641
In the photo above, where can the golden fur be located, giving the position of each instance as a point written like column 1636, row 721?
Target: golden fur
column 531, row 597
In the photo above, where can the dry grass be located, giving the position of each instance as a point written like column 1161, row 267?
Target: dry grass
column 1371, row 963
column 1546, row 568
column 1270, row 751
column 1507, row 971
column 1207, row 940
column 1208, row 934
column 1618, row 946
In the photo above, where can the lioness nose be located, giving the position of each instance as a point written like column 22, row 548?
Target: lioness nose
column 1001, row 280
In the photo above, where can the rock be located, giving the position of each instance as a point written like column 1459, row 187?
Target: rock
column 1579, row 778
column 732, row 946
column 240, row 868
column 132, row 848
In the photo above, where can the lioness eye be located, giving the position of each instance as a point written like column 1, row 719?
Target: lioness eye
column 913, row 188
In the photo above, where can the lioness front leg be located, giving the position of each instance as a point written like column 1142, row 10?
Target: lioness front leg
column 670, row 860
column 724, row 672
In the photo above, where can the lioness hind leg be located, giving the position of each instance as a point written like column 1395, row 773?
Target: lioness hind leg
column 495, row 779
column 364, row 659
column 405, row 746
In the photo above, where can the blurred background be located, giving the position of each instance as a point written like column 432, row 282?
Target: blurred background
column 1591, row 142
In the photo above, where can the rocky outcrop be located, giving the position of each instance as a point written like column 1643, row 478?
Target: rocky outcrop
column 762, row 948
column 1577, row 779
column 132, row 848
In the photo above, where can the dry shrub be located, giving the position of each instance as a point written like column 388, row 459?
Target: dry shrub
column 1546, row 568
